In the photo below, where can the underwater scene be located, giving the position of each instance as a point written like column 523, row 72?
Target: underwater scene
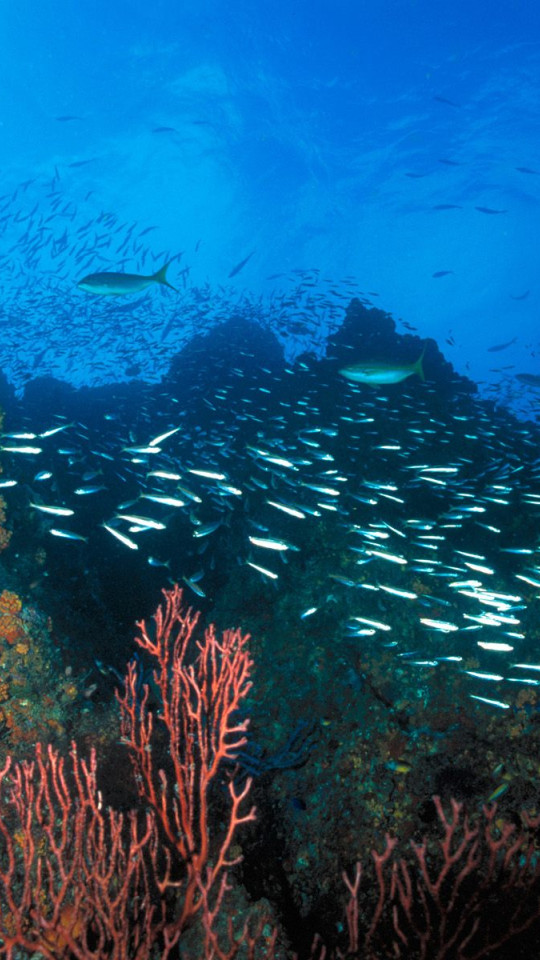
column 270, row 480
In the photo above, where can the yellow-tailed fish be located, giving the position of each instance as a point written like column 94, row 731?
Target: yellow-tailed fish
column 120, row 284
column 367, row 371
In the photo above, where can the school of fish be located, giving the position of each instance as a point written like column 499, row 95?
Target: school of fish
column 419, row 514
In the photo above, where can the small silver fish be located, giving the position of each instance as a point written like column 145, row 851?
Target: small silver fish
column 288, row 508
column 146, row 522
column 164, row 475
column 491, row 703
column 120, row 536
column 86, row 491
column 142, row 449
column 51, row 432
column 263, row 570
column 269, row 543
column 162, row 498
column 67, row 534
column 206, row 528
column 25, row 450
column 194, row 586
column 207, row 474
column 163, row 436
column 55, row 511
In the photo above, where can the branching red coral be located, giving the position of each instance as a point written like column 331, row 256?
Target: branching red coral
column 199, row 703
column 80, row 880
column 463, row 897
column 75, row 878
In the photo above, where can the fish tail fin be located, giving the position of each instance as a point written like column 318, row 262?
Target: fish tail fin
column 418, row 366
column 161, row 276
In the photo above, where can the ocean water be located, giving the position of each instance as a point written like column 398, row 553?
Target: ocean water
column 268, row 302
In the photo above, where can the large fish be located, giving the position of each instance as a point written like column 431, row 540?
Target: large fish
column 530, row 379
column 119, row 284
column 371, row 372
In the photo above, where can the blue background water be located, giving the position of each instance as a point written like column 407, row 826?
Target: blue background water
column 287, row 156
column 318, row 135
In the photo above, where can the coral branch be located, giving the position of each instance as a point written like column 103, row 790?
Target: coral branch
column 439, row 903
column 83, row 881
column 74, row 878
column 200, row 695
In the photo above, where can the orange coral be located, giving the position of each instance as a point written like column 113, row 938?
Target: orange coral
column 11, row 626
column 10, row 602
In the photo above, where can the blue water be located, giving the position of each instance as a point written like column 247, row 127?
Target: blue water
column 379, row 543
column 318, row 136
